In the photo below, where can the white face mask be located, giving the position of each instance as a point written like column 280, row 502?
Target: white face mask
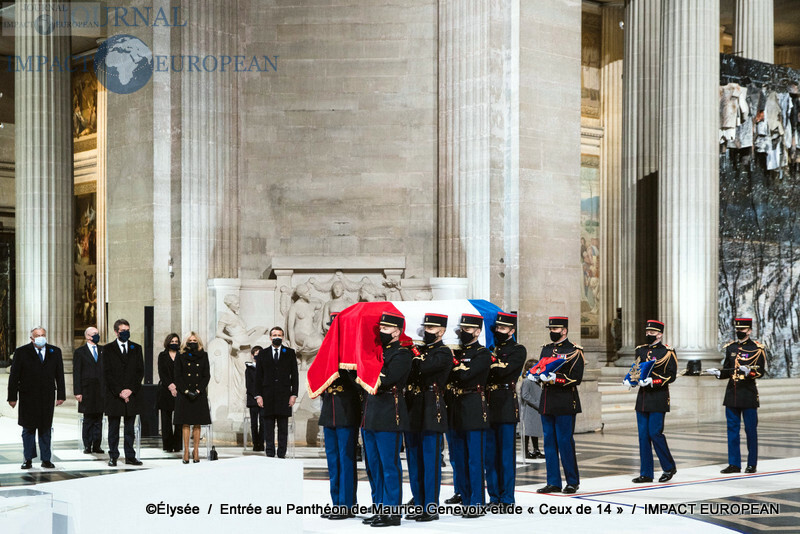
column 40, row 341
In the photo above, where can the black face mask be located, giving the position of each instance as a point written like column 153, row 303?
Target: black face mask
column 429, row 338
column 276, row 341
column 740, row 334
column 501, row 337
column 386, row 338
column 465, row 338
column 96, row 339
column 650, row 339
column 554, row 336
column 124, row 335
column 175, row 346
column 192, row 346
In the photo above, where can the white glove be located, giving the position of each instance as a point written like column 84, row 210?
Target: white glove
column 551, row 377
column 745, row 369
column 626, row 382
column 713, row 371
column 533, row 378
column 646, row 382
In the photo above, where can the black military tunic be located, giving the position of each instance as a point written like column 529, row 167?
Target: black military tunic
column 742, row 391
column 470, row 409
column 501, row 385
column 561, row 397
column 192, row 373
column 385, row 411
column 341, row 402
column 655, row 398
column 425, row 391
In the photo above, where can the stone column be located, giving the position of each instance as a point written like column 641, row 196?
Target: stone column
column 44, row 184
column 689, row 184
column 209, row 185
column 640, row 142
column 788, row 56
column 612, row 46
column 754, row 36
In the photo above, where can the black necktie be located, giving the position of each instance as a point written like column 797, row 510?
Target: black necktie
column 41, row 355
column 124, row 349
column 276, row 355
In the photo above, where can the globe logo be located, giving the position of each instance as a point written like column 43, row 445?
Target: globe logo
column 123, row 64
column 44, row 24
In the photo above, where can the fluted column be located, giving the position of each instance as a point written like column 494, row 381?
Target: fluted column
column 209, row 197
column 754, row 36
column 612, row 47
column 44, row 203
column 640, row 142
column 689, row 183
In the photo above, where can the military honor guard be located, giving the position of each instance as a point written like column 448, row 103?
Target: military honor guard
column 339, row 419
column 427, row 412
column 471, row 413
column 385, row 418
column 745, row 361
column 501, row 387
column 652, row 403
column 558, row 406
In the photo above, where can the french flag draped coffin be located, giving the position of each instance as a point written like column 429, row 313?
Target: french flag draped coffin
column 352, row 341
column 639, row 371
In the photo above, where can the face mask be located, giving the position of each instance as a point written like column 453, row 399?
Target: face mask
column 650, row 339
column 192, row 347
column 386, row 338
column 96, row 339
column 501, row 337
column 40, row 341
column 124, row 335
column 554, row 336
column 465, row 337
column 175, row 346
column 276, row 341
column 740, row 334
column 429, row 338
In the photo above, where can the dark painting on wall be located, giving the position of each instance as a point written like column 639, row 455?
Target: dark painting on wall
column 85, row 262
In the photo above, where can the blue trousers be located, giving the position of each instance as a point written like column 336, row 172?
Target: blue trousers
column 558, row 441
column 383, row 457
column 734, row 417
column 501, row 462
column 424, row 466
column 29, row 443
column 651, row 432
column 375, row 486
column 456, row 453
column 473, row 443
column 340, row 451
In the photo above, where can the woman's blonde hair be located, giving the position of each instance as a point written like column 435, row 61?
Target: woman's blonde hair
column 200, row 345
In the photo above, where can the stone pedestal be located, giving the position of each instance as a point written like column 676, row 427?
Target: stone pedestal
column 754, row 36
column 43, row 189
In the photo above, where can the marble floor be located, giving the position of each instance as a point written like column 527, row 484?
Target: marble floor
column 607, row 460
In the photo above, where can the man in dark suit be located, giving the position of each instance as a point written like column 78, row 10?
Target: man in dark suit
column 276, row 390
column 252, row 405
column 123, row 370
column 37, row 375
column 87, row 384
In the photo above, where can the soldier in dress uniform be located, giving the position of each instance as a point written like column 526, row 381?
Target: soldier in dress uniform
column 427, row 415
column 745, row 361
column 558, row 405
column 501, row 386
column 339, row 419
column 455, row 447
column 471, row 412
column 385, row 418
column 652, row 403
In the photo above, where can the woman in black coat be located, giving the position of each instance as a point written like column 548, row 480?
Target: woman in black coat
column 167, row 391
column 192, row 374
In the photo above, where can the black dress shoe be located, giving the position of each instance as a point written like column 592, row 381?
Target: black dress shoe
column 529, row 455
column 413, row 516
column 132, row 461
column 424, row 518
column 538, row 454
column 750, row 469
column 98, row 450
column 666, row 476
column 337, row 517
column 387, row 521
column 731, row 469
column 27, row 464
column 87, row 450
column 641, row 479
column 455, row 499
column 569, row 488
column 473, row 512
column 549, row 489
column 371, row 519
column 112, row 462
column 48, row 465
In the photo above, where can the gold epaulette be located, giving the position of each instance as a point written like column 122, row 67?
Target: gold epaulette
column 759, row 345
column 728, row 344
column 577, row 347
column 640, row 346
column 669, row 348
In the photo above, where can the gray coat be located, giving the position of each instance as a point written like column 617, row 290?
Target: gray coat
column 530, row 393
